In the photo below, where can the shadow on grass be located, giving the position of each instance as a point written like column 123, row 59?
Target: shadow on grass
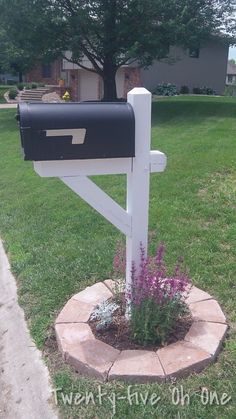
column 164, row 111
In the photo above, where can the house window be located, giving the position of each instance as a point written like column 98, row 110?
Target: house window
column 194, row 52
column 230, row 78
column 46, row 71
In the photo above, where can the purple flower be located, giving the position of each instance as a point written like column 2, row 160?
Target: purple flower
column 152, row 282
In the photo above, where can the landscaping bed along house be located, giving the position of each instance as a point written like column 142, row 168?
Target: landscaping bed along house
column 31, row 92
column 3, row 90
column 166, row 361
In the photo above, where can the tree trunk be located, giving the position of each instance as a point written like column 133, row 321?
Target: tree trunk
column 109, row 83
column 20, row 75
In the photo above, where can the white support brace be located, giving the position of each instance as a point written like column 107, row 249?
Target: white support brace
column 100, row 201
column 90, row 167
column 62, row 168
column 157, row 161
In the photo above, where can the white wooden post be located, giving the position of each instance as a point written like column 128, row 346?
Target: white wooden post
column 138, row 180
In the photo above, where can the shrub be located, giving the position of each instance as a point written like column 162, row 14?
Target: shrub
column 20, row 86
column 184, row 90
column 204, row 91
column 11, row 82
column 13, row 93
column 34, row 85
column 230, row 90
column 157, row 300
column 165, row 89
column 207, row 91
column 197, row 91
column 27, row 85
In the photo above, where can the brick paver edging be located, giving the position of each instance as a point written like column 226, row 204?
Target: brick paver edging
column 94, row 358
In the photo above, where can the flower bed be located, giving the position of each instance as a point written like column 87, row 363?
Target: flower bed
column 91, row 357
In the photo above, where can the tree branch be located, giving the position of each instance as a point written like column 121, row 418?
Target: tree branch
column 67, row 5
column 78, row 63
column 128, row 60
column 91, row 59
column 93, row 54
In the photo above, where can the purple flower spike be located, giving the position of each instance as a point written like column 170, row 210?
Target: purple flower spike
column 152, row 282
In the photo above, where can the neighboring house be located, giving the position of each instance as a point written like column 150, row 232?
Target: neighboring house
column 45, row 73
column 192, row 67
column 8, row 78
column 83, row 85
column 231, row 74
column 184, row 67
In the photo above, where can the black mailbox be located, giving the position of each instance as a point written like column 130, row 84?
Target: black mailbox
column 85, row 130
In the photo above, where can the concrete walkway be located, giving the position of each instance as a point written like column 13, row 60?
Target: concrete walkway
column 24, row 380
column 8, row 105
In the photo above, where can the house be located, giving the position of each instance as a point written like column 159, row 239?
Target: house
column 205, row 66
column 83, row 84
column 231, row 74
column 8, row 78
column 45, row 73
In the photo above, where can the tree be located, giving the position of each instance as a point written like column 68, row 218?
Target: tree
column 232, row 61
column 22, row 44
column 112, row 33
column 13, row 58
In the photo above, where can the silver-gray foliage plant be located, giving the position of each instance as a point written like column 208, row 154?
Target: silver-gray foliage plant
column 104, row 312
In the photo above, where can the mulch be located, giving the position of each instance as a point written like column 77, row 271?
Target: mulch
column 118, row 333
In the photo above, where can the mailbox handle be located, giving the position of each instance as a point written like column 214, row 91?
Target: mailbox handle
column 77, row 134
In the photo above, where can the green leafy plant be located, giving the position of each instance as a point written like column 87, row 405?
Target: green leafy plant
column 156, row 299
column 151, row 323
column 208, row 91
column 13, row 93
column 34, row 85
column 230, row 90
column 197, row 91
column 204, row 91
column 165, row 89
column 27, row 85
column 11, row 82
column 20, row 86
column 184, row 90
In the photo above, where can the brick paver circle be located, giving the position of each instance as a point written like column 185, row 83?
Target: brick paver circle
column 94, row 358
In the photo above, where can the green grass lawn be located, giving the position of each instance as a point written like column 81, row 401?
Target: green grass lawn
column 58, row 245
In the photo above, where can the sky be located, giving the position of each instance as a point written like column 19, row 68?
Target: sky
column 232, row 52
